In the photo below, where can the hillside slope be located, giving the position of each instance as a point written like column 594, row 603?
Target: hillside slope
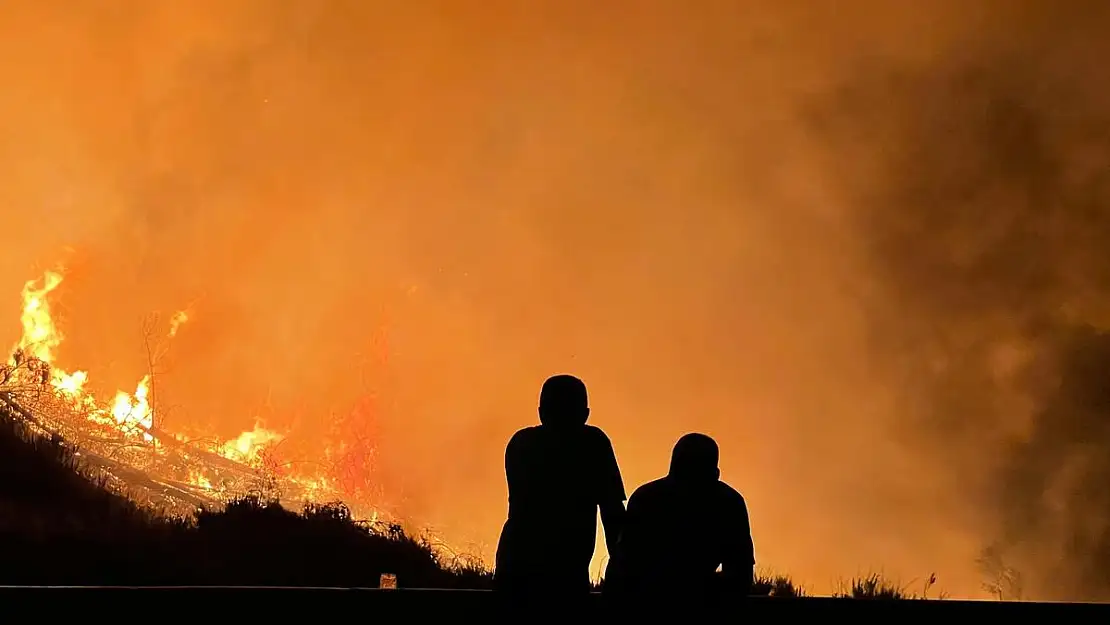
column 59, row 525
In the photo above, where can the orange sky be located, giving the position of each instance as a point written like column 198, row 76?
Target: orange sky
column 634, row 192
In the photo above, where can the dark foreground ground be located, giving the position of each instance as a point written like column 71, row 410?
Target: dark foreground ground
column 225, row 604
column 69, row 546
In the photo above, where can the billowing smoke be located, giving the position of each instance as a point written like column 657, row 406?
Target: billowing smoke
column 978, row 183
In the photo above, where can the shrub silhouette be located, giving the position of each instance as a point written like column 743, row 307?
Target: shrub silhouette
column 871, row 586
column 774, row 585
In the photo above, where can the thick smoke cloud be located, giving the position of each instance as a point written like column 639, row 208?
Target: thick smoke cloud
column 979, row 188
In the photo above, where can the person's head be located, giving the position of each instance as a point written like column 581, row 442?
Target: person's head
column 563, row 401
column 695, row 458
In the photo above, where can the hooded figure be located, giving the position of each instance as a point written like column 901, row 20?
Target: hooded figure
column 679, row 530
column 559, row 473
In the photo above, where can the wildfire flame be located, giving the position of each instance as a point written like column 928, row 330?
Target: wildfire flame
column 41, row 337
column 178, row 318
column 135, row 411
column 131, row 414
column 248, row 445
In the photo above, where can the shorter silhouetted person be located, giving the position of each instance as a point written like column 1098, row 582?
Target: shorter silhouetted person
column 679, row 531
column 559, row 473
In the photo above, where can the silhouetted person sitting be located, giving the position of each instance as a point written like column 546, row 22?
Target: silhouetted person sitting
column 678, row 530
column 559, row 474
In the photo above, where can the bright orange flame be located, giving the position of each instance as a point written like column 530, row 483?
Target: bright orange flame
column 247, row 447
column 40, row 337
column 132, row 414
column 71, row 384
column 196, row 478
column 178, row 318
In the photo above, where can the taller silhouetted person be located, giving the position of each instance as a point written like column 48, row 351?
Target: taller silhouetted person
column 560, row 473
column 679, row 529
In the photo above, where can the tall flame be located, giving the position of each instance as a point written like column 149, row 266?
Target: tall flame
column 133, row 413
column 40, row 336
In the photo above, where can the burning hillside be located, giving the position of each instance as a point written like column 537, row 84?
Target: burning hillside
column 122, row 439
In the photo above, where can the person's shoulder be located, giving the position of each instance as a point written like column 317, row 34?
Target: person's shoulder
column 651, row 489
column 596, row 443
column 730, row 496
column 598, row 436
column 524, row 436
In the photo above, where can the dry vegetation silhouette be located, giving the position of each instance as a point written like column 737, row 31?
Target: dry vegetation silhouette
column 61, row 526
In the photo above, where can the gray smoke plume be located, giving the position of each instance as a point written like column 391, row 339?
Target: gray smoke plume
column 979, row 185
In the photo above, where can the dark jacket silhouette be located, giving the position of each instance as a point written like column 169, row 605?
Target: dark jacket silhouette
column 679, row 529
column 559, row 474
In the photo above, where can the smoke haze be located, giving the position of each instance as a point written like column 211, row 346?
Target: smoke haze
column 860, row 247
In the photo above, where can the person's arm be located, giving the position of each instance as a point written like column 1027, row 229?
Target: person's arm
column 515, row 474
column 508, row 545
column 611, row 495
column 622, row 562
column 738, row 567
column 612, row 520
